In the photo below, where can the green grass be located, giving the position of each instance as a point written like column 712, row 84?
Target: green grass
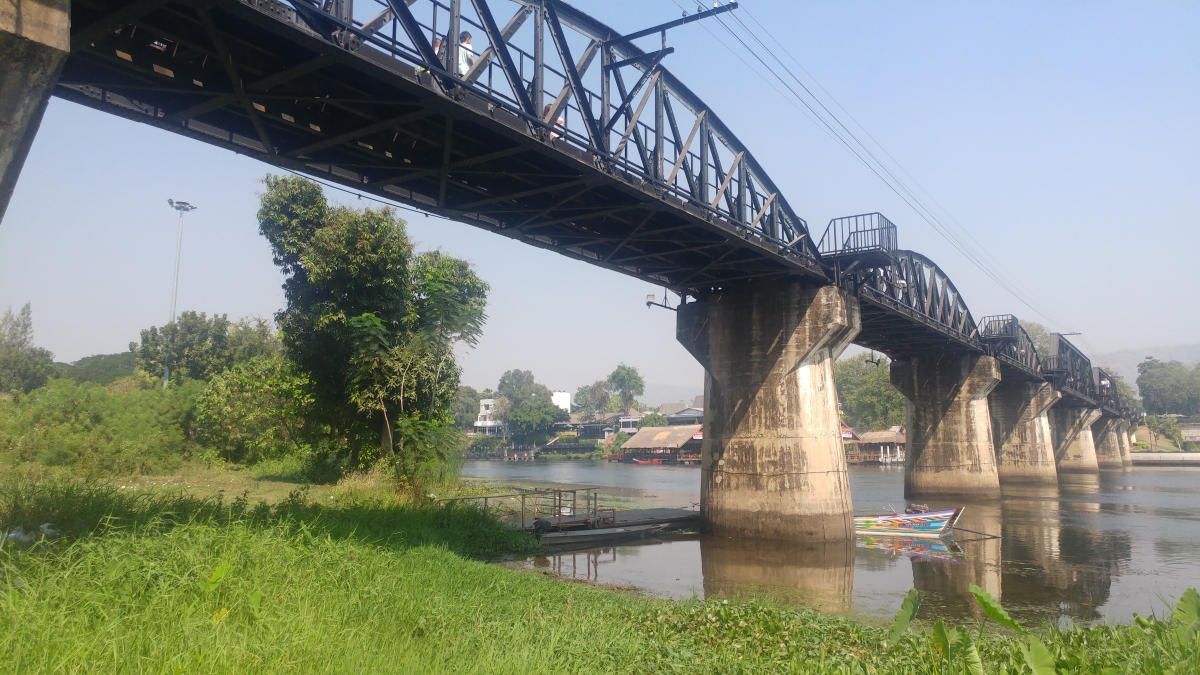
column 154, row 582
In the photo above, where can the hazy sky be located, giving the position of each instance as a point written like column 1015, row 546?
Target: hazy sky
column 1064, row 136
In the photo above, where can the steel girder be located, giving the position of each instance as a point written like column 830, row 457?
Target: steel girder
column 371, row 102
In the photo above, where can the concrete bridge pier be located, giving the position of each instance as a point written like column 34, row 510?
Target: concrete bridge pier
column 1074, row 449
column 1108, row 447
column 950, row 447
column 773, row 465
column 35, row 38
column 1126, row 445
column 1021, row 431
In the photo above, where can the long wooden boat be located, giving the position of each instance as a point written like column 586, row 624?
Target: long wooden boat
column 599, row 534
column 930, row 525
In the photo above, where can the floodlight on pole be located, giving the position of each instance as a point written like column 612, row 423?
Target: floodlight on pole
column 182, row 208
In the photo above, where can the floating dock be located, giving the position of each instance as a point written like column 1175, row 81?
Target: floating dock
column 674, row 519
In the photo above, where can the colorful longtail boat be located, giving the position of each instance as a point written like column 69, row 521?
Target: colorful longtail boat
column 928, row 525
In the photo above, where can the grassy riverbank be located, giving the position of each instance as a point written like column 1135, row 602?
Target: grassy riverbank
column 153, row 582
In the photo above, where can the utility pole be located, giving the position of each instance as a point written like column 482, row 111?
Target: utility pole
column 182, row 208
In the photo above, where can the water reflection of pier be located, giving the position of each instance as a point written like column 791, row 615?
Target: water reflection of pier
column 1057, row 565
column 818, row 575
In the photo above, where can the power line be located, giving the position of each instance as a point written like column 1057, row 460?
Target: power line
column 1012, row 279
column 974, row 254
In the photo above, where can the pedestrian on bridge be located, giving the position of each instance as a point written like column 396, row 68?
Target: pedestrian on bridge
column 466, row 55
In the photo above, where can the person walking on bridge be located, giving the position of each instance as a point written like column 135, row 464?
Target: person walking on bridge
column 466, row 54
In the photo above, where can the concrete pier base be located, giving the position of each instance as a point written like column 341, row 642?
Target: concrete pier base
column 950, row 449
column 35, row 38
column 1126, row 445
column 1021, row 431
column 1108, row 448
column 773, row 466
column 1074, row 449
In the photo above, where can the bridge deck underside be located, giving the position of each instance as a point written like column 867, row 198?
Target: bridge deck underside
column 232, row 76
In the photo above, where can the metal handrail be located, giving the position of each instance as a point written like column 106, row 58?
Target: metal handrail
column 858, row 234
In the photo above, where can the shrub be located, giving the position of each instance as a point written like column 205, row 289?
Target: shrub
column 130, row 426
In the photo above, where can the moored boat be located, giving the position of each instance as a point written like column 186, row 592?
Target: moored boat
column 929, row 524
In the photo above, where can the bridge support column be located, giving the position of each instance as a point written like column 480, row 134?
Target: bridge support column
column 773, row 466
column 1125, row 437
column 1021, row 431
column 950, row 449
column 35, row 38
column 1108, row 446
column 1074, row 449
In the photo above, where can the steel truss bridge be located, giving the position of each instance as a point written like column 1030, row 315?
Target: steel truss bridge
column 555, row 130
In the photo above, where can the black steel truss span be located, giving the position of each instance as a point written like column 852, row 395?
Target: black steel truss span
column 548, row 127
column 1070, row 371
column 617, row 163
column 1010, row 344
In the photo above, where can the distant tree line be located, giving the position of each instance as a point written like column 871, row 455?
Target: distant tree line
column 528, row 411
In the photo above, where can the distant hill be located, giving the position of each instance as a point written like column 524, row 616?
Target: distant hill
column 101, row 368
column 1125, row 361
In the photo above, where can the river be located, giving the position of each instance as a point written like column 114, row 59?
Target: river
column 1091, row 549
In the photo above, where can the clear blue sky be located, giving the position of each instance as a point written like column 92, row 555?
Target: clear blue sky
column 1064, row 136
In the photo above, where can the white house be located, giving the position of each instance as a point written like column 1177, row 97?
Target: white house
column 486, row 423
column 562, row 399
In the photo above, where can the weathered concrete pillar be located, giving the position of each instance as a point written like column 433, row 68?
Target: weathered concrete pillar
column 1074, row 450
column 1108, row 447
column 35, row 38
column 1126, row 445
column 773, row 466
column 950, row 450
column 1021, row 431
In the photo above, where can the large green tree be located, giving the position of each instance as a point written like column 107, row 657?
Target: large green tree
column 370, row 323
column 23, row 366
column 1169, row 387
column 519, row 386
column 627, row 382
column 869, row 401
column 591, row 399
column 466, row 407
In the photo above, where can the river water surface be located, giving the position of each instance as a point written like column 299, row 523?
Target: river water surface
column 1091, row 549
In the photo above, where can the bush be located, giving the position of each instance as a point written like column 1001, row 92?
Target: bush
column 256, row 411
column 131, row 426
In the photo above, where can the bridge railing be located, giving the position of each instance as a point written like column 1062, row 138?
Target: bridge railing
column 1008, row 341
column 868, row 232
column 574, row 81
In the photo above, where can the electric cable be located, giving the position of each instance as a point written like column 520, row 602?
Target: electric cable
column 995, row 270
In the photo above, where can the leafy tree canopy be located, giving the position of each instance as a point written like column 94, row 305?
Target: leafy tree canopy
column 653, row 420
column 519, row 386
column 466, row 407
column 1169, row 387
column 370, row 323
column 592, row 398
column 534, row 415
column 202, row 347
column 627, row 382
column 1040, row 335
column 869, row 401
column 23, row 367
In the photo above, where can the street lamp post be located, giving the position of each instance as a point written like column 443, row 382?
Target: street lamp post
column 182, row 208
